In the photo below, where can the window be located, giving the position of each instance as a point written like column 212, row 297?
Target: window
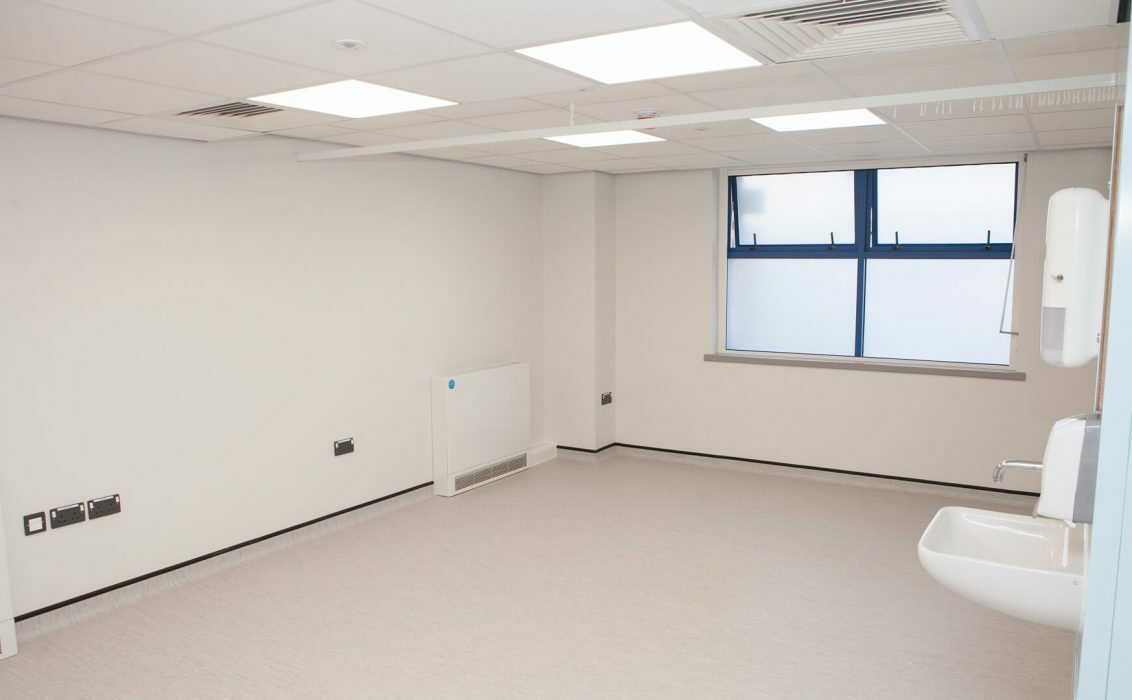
column 895, row 263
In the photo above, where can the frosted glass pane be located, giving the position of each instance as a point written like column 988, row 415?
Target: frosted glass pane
column 802, row 306
column 796, row 208
column 953, row 204
column 947, row 310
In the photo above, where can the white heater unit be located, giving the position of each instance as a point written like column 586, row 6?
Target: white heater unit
column 7, row 624
column 481, row 427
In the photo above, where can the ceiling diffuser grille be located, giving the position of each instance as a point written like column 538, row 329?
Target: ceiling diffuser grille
column 848, row 12
column 231, row 109
column 848, row 27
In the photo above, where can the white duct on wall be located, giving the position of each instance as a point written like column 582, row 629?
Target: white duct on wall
column 481, row 427
column 1074, row 276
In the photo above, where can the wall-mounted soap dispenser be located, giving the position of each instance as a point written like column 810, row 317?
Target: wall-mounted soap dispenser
column 1069, row 469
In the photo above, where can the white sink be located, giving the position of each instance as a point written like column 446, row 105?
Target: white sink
column 1032, row 568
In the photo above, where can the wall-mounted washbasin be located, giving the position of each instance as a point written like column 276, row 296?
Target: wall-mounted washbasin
column 1031, row 568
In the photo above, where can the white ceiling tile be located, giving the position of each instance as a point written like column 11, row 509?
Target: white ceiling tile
column 175, row 129
column 450, row 153
column 178, row 17
column 695, row 160
column 856, row 134
column 1066, row 65
column 438, row 130
column 546, row 169
column 785, row 92
column 483, row 109
column 723, row 144
column 1076, row 137
column 934, row 57
column 726, row 7
column 522, row 147
column 1068, row 42
column 741, row 127
column 604, row 93
column 318, row 131
column 35, row 32
column 971, row 126
column 362, row 138
column 653, row 148
column 212, row 69
column 745, row 77
column 503, row 161
column 13, row 69
column 667, row 105
column 305, row 37
column 777, row 155
column 878, row 149
column 75, row 87
column 520, row 23
column 494, row 76
column 568, row 155
column 1006, row 18
column 928, row 78
column 979, row 142
column 537, row 119
column 617, row 165
column 386, row 121
column 1074, row 119
column 51, row 112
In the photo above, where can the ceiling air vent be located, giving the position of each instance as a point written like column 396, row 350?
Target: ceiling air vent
column 250, row 117
column 231, row 109
column 803, row 32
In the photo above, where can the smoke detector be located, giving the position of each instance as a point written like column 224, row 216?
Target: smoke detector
column 349, row 44
column 795, row 31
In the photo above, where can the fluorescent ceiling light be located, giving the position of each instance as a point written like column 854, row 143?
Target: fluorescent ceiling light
column 605, row 138
column 821, row 120
column 352, row 98
column 644, row 54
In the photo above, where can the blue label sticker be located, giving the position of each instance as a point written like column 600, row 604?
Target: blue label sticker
column 451, row 383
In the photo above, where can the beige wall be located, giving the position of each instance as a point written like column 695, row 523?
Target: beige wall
column 193, row 325
column 578, row 288
column 949, row 429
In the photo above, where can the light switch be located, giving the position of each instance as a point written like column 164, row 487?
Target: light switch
column 35, row 524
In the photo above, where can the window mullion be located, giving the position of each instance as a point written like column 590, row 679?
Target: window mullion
column 865, row 204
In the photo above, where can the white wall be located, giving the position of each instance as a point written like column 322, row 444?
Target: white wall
column 193, row 325
column 939, row 428
column 578, row 288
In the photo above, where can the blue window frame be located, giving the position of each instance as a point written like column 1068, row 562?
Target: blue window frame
column 864, row 244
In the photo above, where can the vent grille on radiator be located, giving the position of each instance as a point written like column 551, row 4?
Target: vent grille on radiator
column 490, row 472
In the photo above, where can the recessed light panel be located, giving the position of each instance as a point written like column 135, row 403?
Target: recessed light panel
column 605, row 138
column 821, row 120
column 353, row 98
column 644, row 54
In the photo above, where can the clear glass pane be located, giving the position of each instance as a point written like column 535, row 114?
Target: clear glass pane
column 801, row 306
column 949, row 204
column 947, row 310
column 783, row 209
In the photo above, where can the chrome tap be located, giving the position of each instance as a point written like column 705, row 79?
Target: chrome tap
column 1000, row 470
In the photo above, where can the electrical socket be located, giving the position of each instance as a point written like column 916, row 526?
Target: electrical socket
column 67, row 515
column 101, row 507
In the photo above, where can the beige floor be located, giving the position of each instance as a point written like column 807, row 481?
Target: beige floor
column 633, row 577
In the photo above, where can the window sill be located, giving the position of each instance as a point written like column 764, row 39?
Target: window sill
column 870, row 365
